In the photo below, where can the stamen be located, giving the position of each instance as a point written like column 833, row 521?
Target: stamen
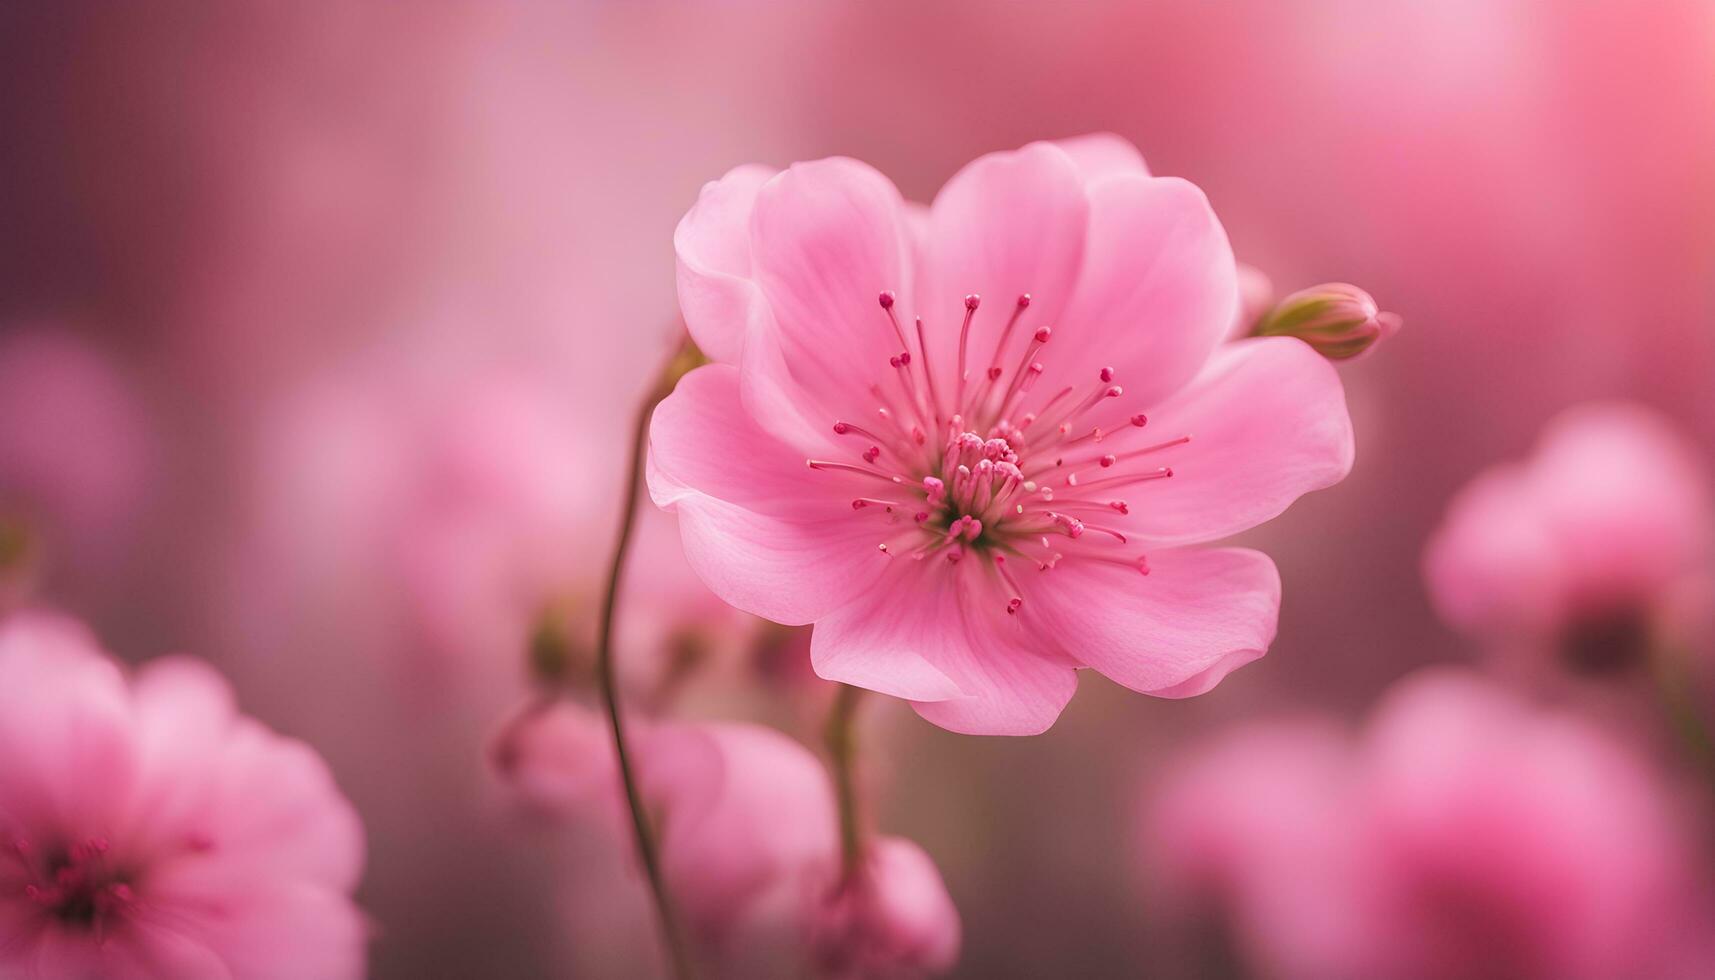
column 1114, row 481
column 971, row 303
column 887, row 300
column 843, row 428
column 824, row 464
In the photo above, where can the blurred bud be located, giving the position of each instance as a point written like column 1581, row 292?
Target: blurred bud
column 687, row 357
column 17, row 560
column 894, row 919
column 559, row 655
column 1339, row 320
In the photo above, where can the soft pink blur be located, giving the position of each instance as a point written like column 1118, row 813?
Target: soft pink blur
column 244, row 209
column 150, row 831
column 1468, row 835
column 1606, row 521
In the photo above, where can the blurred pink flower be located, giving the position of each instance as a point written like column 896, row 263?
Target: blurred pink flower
column 74, row 450
column 147, row 830
column 894, row 920
column 983, row 488
column 1469, row 835
column 453, row 506
column 557, row 758
column 749, row 843
column 1580, row 542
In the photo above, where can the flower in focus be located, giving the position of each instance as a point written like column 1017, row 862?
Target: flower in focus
column 1467, row 835
column 1340, row 321
column 1016, row 412
column 1576, row 547
column 894, row 919
column 147, row 830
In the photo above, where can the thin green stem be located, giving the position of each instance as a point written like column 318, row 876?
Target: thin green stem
column 1675, row 685
column 672, row 938
column 841, row 739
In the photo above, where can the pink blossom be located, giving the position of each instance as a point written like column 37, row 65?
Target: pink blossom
column 557, row 758
column 1582, row 540
column 147, row 830
column 894, row 920
column 749, row 843
column 1016, row 411
column 1467, row 835
column 454, row 507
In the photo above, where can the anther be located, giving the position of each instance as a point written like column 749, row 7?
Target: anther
column 1107, row 374
column 1140, row 420
column 972, row 301
column 1042, row 335
column 887, row 299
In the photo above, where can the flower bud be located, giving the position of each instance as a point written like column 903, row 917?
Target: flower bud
column 1339, row 320
column 558, row 655
column 894, row 919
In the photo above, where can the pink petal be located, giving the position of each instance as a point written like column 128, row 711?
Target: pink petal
column 1007, row 224
column 827, row 238
column 1158, row 290
column 716, row 294
column 764, row 531
column 1268, row 423
column 927, row 635
column 744, row 808
column 1199, row 614
column 1100, row 155
column 67, row 760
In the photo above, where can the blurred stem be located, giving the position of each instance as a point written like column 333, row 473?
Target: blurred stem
column 841, row 738
column 1685, row 712
column 682, row 359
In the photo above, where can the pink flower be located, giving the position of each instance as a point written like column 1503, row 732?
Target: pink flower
column 749, row 844
column 1009, row 450
column 894, row 920
column 455, row 505
column 557, row 758
column 147, row 830
column 1467, row 835
column 1579, row 543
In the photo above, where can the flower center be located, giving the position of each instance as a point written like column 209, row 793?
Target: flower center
column 77, row 885
column 993, row 470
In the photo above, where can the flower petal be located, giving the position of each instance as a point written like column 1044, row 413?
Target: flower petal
column 1007, row 224
column 1099, row 155
column 827, row 238
column 925, row 634
column 1268, row 423
column 1159, row 289
column 765, row 532
column 1199, row 614
column 712, row 242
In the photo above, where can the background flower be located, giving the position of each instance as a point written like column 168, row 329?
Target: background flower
column 151, row 831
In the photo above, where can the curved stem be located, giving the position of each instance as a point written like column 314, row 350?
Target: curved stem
column 647, row 852
column 1674, row 686
column 841, row 740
